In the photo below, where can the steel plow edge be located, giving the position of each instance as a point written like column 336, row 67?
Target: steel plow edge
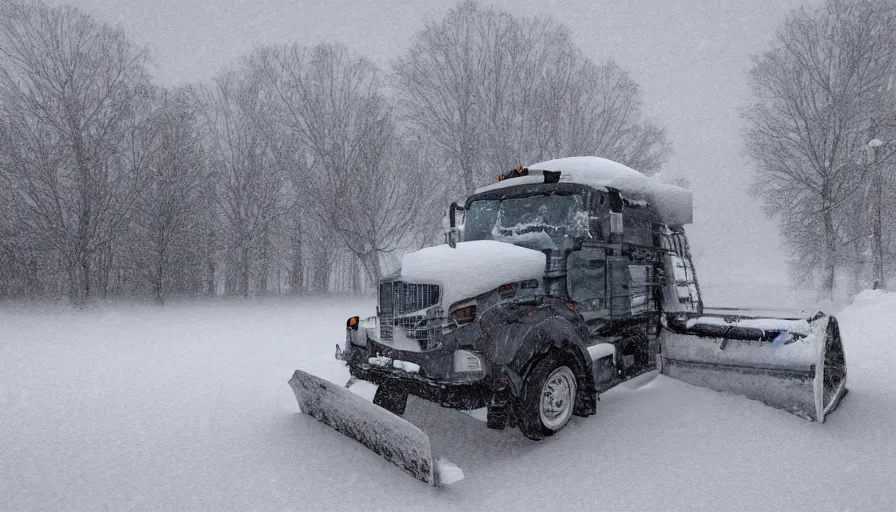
column 386, row 434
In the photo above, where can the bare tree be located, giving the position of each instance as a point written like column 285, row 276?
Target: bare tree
column 495, row 91
column 362, row 181
column 815, row 91
column 169, row 211
column 18, row 254
column 243, row 149
column 878, row 195
column 297, row 251
column 293, row 168
column 437, row 84
column 385, row 216
column 68, row 86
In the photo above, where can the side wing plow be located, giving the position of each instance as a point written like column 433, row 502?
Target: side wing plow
column 793, row 364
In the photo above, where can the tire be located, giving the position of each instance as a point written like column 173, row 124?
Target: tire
column 548, row 398
column 391, row 398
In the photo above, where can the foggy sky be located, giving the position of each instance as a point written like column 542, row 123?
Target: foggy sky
column 691, row 58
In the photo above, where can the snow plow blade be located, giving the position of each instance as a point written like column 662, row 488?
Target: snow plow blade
column 797, row 365
column 395, row 439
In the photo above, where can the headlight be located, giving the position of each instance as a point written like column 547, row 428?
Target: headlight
column 468, row 364
column 463, row 313
column 354, row 333
column 466, row 361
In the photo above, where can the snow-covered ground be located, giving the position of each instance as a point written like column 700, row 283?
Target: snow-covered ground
column 187, row 407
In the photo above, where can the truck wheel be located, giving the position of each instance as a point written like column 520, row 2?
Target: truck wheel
column 548, row 398
column 391, row 398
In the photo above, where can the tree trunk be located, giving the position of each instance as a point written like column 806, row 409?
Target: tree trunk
column 73, row 270
column 229, row 276
column 104, row 269
column 35, row 287
column 858, row 268
column 264, row 260
column 244, row 270
column 879, row 274
column 356, row 276
column 158, row 276
column 297, row 274
column 466, row 168
column 322, row 274
column 373, row 267
column 210, row 276
column 83, row 277
column 830, row 250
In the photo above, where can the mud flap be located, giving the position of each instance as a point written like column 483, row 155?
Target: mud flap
column 806, row 377
column 397, row 440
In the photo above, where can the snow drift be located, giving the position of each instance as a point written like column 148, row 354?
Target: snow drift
column 185, row 408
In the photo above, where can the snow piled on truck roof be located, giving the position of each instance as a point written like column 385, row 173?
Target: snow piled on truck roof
column 673, row 204
column 472, row 267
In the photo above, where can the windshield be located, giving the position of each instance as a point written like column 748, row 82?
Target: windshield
column 539, row 222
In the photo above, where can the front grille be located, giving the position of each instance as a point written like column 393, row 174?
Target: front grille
column 387, row 321
column 411, row 323
column 398, row 298
column 401, row 298
column 414, row 297
column 418, row 328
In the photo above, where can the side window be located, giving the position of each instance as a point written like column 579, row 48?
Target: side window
column 599, row 216
column 480, row 219
column 586, row 278
column 638, row 231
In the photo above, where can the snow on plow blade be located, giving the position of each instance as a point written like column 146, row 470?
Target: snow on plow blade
column 398, row 441
column 792, row 364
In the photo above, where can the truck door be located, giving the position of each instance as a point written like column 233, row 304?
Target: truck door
column 587, row 284
column 620, row 297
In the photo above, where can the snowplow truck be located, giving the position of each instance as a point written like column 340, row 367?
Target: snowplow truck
column 556, row 283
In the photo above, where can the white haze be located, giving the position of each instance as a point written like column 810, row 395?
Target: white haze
column 691, row 57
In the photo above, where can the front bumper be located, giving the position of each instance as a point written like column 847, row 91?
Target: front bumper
column 447, row 394
column 428, row 375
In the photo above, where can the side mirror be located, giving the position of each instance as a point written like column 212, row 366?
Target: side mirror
column 354, row 333
column 452, row 236
column 452, row 214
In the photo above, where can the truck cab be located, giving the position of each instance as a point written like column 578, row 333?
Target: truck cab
column 550, row 290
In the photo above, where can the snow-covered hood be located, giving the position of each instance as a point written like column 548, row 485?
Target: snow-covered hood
column 472, row 267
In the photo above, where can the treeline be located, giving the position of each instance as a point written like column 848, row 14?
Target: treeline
column 294, row 170
column 822, row 131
